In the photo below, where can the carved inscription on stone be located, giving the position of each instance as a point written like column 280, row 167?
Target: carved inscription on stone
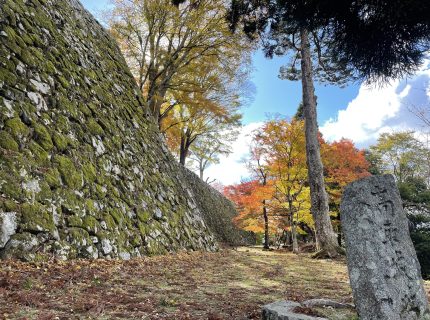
column 384, row 271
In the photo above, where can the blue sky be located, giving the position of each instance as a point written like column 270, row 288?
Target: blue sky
column 358, row 112
column 95, row 6
column 274, row 95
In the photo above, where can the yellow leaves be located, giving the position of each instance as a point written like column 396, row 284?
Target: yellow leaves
column 255, row 228
column 168, row 46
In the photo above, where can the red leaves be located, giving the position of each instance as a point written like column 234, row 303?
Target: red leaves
column 248, row 197
column 343, row 162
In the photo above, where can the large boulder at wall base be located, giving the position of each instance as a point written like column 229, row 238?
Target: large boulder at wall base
column 83, row 170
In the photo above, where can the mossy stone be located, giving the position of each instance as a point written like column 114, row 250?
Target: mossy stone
column 110, row 222
column 52, row 177
column 69, row 107
column 94, row 127
column 45, row 194
column 35, row 217
column 100, row 191
column 60, row 141
column 143, row 216
column 10, row 186
column 68, row 172
column 85, row 110
column 17, row 128
column 78, row 237
column 7, row 77
column 7, row 142
column 20, row 247
column 136, row 240
column 63, row 81
column 40, row 155
column 89, row 172
column 43, row 137
column 143, row 229
column 63, row 124
column 117, row 216
column 90, row 224
column 74, row 221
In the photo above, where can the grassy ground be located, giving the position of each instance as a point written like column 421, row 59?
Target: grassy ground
column 212, row 286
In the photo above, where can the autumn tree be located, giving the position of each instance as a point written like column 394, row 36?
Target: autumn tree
column 257, row 165
column 343, row 164
column 162, row 39
column 248, row 197
column 282, row 32
column 206, row 150
column 206, row 111
column 190, row 122
column 283, row 144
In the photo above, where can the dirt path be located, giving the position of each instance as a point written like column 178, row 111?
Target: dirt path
column 212, row 286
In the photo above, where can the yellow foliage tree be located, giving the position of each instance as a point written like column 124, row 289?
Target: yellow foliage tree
column 165, row 42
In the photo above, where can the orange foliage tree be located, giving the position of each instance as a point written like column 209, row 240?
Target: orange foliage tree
column 343, row 164
column 283, row 143
column 279, row 189
column 249, row 198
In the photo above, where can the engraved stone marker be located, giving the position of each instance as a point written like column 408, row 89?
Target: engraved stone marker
column 383, row 267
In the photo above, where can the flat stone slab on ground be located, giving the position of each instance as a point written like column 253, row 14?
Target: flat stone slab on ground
column 284, row 310
column 327, row 303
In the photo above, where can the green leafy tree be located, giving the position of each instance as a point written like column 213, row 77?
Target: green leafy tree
column 400, row 154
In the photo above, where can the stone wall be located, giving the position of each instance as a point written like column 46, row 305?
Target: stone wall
column 218, row 212
column 83, row 172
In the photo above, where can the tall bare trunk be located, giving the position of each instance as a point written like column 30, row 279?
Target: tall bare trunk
column 326, row 238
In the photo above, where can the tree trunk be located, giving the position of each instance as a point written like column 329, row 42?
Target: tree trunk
column 155, row 101
column 293, row 226
column 294, row 236
column 201, row 169
column 339, row 229
column 326, row 238
column 185, row 147
column 266, row 226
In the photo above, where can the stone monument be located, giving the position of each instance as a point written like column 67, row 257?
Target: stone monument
column 383, row 267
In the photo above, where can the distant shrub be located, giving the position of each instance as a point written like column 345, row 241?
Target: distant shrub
column 420, row 235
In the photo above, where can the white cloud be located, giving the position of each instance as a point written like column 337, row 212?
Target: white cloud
column 380, row 109
column 231, row 169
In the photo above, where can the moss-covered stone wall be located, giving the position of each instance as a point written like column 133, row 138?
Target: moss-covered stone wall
column 218, row 212
column 83, row 172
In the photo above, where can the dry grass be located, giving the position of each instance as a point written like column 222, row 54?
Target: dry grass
column 212, row 286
